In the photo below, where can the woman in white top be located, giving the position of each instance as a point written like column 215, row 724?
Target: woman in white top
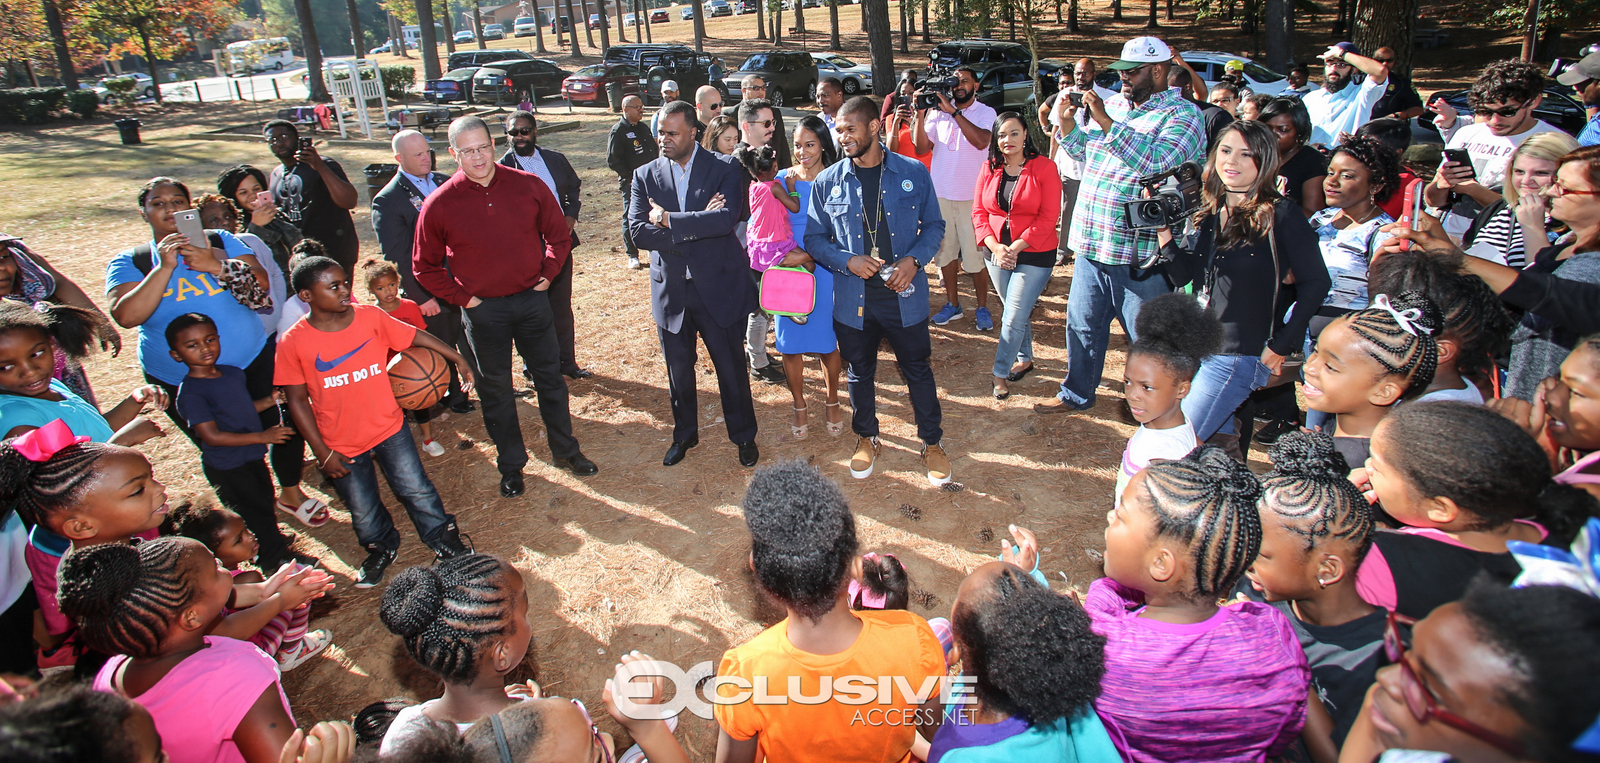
column 1507, row 231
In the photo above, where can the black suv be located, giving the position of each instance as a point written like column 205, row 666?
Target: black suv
column 790, row 75
column 512, row 79
column 976, row 53
column 660, row 63
column 466, row 58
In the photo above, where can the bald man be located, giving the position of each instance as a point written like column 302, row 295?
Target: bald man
column 707, row 104
column 394, row 218
column 630, row 147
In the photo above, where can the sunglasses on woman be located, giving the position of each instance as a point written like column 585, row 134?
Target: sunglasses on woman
column 1420, row 699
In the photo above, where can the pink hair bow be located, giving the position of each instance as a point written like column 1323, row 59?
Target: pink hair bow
column 46, row 441
column 870, row 599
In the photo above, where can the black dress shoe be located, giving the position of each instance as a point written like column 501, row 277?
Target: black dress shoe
column 579, row 465
column 577, row 373
column 679, row 449
column 748, row 454
column 465, row 406
column 511, row 485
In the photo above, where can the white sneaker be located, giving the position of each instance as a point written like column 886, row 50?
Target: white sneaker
column 433, row 448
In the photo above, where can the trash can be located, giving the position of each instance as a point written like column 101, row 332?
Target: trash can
column 378, row 176
column 129, row 128
column 614, row 93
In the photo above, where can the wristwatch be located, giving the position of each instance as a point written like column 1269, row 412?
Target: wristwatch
column 955, row 113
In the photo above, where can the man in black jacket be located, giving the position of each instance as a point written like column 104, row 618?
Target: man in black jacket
column 394, row 218
column 630, row 147
column 557, row 173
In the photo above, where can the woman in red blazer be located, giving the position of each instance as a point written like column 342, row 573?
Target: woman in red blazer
column 1015, row 209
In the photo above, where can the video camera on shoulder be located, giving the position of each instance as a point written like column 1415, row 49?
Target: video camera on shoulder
column 1173, row 196
column 941, row 83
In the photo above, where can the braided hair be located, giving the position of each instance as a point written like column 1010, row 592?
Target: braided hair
column 125, row 598
column 1484, row 463
column 1412, row 355
column 450, row 614
column 1379, row 159
column 41, row 489
column 72, row 328
column 194, row 519
column 1472, row 313
column 802, row 536
column 1310, row 492
column 76, row 723
column 1032, row 651
column 1175, row 329
column 1207, row 501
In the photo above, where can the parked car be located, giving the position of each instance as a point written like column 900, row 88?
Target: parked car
column 1007, row 86
column 686, row 13
column 513, row 80
column 1558, row 107
column 791, row 76
column 810, row 3
column 717, row 8
column 856, row 78
column 948, row 55
column 660, row 62
column 746, row 6
column 465, row 58
column 455, row 85
column 564, row 21
column 1210, row 65
column 660, row 16
column 494, row 32
column 465, row 35
column 143, row 86
column 596, row 21
column 388, row 47
column 588, row 85
column 629, row 19
column 527, row 26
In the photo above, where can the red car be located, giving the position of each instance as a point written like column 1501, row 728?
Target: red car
column 588, row 85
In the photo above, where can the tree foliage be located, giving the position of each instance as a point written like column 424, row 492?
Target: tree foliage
column 333, row 22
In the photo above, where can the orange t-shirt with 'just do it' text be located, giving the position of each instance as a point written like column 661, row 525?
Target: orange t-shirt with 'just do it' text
column 344, row 375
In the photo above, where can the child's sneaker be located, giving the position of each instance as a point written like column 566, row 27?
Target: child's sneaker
column 866, row 455
column 946, row 314
column 310, row 646
column 377, row 562
column 432, row 448
column 938, row 465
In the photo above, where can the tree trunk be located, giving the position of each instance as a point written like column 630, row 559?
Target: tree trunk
column 1387, row 23
column 572, row 34
column 927, row 31
column 644, row 18
column 588, row 32
column 1338, row 19
column 833, row 25
column 1171, row 13
column 394, row 36
column 150, row 61
column 58, row 40
column 428, row 45
column 1153, row 23
column 880, row 40
column 538, row 29
column 905, row 33
column 622, row 23
column 777, row 23
column 1058, row 11
column 800, row 20
column 605, row 26
column 308, row 40
column 761, row 20
column 359, row 48
column 1530, row 30
column 1551, row 39
column 700, row 26
column 1280, row 35
column 449, row 29
column 1116, row 10
column 1011, row 20
column 477, row 28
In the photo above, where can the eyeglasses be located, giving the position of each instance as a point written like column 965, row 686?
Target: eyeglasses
column 1420, row 700
column 1557, row 189
column 713, row 106
column 478, row 151
column 767, row 124
column 1503, row 111
column 520, row 131
column 595, row 742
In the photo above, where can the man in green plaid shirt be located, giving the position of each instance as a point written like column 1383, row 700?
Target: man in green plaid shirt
column 1146, row 129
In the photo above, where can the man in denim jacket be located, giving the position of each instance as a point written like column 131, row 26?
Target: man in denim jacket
column 875, row 209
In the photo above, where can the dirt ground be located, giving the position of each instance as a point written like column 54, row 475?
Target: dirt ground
column 640, row 556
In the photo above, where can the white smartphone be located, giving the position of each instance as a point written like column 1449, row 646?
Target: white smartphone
column 189, row 225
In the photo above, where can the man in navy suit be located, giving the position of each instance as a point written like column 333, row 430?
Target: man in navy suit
column 684, row 207
column 394, row 218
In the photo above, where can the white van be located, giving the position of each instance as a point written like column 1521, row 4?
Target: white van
column 413, row 35
column 251, row 56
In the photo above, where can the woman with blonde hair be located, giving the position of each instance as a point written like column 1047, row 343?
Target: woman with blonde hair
column 1508, row 230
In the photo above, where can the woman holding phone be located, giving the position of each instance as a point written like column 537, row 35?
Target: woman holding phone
column 1520, row 222
column 246, row 187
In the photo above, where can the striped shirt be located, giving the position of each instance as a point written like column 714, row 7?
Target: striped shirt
column 1157, row 135
column 1501, row 240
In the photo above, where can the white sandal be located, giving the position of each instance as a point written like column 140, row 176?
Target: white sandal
column 311, row 645
column 799, row 431
column 834, row 429
column 308, row 512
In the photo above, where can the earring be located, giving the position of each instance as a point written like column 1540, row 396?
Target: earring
column 1322, row 582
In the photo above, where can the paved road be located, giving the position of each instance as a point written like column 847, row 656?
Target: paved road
column 253, row 88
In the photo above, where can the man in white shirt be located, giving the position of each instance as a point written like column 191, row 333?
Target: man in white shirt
column 1341, row 107
column 957, row 130
column 830, row 96
column 1503, row 100
column 669, row 93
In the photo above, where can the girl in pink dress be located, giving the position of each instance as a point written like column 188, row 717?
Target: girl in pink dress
column 768, row 238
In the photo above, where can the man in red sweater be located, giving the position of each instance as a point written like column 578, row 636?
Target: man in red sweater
column 491, row 240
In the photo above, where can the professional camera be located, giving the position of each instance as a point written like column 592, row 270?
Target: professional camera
column 1560, row 65
column 943, row 83
column 1172, row 196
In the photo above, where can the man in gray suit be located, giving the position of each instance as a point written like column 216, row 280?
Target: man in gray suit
column 394, row 218
column 700, row 277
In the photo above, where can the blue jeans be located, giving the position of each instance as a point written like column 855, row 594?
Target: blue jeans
column 1220, row 387
column 1098, row 293
column 402, row 469
column 1019, row 290
column 912, row 347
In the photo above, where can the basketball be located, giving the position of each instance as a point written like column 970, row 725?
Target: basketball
column 419, row 377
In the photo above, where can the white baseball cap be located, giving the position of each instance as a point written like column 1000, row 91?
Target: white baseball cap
column 1140, row 51
column 670, row 86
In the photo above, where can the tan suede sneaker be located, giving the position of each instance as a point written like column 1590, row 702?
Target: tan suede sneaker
column 938, row 465
column 866, row 455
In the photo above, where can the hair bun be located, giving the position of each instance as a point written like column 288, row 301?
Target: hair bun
column 1308, row 454
column 412, row 602
column 1234, row 479
column 94, row 580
